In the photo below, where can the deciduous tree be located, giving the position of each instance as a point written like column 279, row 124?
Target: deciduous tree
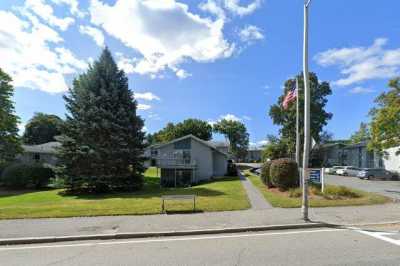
column 42, row 128
column 385, row 122
column 236, row 133
column 9, row 140
column 287, row 118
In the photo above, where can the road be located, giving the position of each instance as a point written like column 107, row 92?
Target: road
column 386, row 188
column 324, row 246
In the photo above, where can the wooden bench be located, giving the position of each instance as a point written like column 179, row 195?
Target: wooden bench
column 177, row 197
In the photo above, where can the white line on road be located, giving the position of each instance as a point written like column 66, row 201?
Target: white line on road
column 169, row 239
column 378, row 235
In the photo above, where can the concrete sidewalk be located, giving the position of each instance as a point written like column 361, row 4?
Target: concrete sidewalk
column 57, row 227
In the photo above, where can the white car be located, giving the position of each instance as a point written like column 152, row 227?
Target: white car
column 349, row 171
column 333, row 170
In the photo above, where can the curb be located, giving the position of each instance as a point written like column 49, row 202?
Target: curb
column 53, row 239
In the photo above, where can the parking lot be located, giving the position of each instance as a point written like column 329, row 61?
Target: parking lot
column 386, row 188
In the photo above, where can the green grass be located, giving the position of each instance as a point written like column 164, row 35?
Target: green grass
column 284, row 201
column 221, row 195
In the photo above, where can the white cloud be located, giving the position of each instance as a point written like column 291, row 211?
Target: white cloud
column 258, row 144
column 165, row 33
column 250, row 34
column 358, row 64
column 46, row 12
column 182, row 74
column 230, row 117
column 148, row 96
column 142, row 106
column 213, row 7
column 27, row 55
column 73, row 6
column 93, row 32
column 361, row 90
column 246, row 117
column 235, row 7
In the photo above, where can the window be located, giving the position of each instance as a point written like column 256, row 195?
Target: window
column 36, row 157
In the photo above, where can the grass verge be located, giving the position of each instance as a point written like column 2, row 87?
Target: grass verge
column 223, row 194
column 283, row 200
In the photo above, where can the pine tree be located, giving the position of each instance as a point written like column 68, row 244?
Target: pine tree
column 102, row 143
column 9, row 140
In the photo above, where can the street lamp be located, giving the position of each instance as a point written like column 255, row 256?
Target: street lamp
column 306, row 150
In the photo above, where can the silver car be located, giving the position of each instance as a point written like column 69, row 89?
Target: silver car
column 349, row 171
column 377, row 173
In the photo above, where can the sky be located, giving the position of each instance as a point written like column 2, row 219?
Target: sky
column 206, row 59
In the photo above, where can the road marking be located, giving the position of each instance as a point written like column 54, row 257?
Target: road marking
column 168, row 239
column 379, row 235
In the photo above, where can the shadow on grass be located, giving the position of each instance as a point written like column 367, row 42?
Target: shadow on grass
column 152, row 189
column 5, row 192
column 172, row 212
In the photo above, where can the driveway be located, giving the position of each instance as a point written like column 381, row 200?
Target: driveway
column 387, row 188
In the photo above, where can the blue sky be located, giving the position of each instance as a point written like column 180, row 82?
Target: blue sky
column 206, row 59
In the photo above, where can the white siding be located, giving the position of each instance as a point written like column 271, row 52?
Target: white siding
column 202, row 155
column 220, row 164
column 392, row 161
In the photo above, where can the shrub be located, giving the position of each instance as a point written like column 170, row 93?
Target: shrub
column 16, row 176
column 20, row 176
column 337, row 192
column 265, row 173
column 232, row 170
column 284, row 174
column 295, row 192
column 40, row 176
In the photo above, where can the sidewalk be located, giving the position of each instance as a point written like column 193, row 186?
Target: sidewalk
column 201, row 221
column 256, row 199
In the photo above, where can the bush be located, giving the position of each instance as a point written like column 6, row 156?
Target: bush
column 40, row 176
column 20, row 176
column 337, row 192
column 232, row 170
column 16, row 176
column 265, row 173
column 284, row 174
column 295, row 192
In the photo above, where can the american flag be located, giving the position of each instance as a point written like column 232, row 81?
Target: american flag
column 290, row 97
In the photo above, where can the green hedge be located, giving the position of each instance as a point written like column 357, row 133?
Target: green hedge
column 265, row 173
column 284, row 174
column 21, row 176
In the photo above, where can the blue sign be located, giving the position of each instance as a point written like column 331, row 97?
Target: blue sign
column 315, row 175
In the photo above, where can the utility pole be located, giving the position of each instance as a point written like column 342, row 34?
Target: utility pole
column 306, row 150
column 297, row 124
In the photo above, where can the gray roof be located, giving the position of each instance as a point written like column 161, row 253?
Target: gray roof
column 206, row 143
column 49, row 147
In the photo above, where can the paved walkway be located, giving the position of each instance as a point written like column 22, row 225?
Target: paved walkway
column 257, row 200
column 180, row 222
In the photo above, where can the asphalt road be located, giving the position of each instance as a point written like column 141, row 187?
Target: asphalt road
column 301, row 247
column 386, row 188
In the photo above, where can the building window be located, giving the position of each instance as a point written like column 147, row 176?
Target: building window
column 36, row 157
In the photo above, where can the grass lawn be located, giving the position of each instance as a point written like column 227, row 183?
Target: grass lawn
column 221, row 195
column 282, row 200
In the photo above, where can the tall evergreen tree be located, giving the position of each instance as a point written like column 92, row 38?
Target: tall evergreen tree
column 9, row 141
column 102, row 142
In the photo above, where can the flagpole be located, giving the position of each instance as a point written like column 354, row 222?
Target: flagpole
column 297, row 124
column 306, row 150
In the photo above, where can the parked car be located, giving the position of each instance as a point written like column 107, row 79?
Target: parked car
column 349, row 171
column 377, row 173
column 332, row 170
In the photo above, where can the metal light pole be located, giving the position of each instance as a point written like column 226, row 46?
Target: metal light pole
column 304, row 206
column 297, row 124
